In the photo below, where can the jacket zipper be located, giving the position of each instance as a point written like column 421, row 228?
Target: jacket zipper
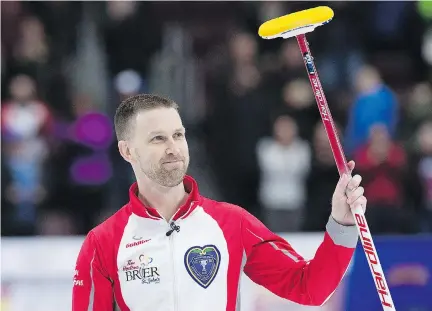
column 174, row 272
column 171, row 242
column 171, row 237
column 171, row 246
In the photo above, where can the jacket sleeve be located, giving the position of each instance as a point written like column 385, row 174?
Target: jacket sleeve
column 274, row 264
column 92, row 288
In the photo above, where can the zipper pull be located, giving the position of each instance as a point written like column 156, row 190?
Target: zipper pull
column 173, row 227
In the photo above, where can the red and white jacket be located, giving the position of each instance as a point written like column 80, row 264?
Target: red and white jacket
column 130, row 263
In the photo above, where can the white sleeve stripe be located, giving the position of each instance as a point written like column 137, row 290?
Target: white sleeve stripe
column 92, row 290
column 243, row 264
column 260, row 238
column 284, row 251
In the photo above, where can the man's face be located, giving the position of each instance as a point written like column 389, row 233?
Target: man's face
column 158, row 146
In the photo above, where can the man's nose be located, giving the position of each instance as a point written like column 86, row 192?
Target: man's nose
column 172, row 147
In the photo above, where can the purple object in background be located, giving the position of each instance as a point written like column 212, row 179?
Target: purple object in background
column 93, row 130
column 91, row 170
column 61, row 130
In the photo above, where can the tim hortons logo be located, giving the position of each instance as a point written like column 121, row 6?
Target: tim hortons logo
column 372, row 257
column 131, row 265
column 136, row 243
column 320, row 98
column 144, row 271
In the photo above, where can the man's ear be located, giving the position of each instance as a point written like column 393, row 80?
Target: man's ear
column 125, row 150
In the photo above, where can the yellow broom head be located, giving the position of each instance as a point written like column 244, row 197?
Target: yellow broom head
column 296, row 23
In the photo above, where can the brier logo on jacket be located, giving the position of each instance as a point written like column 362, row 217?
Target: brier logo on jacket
column 142, row 270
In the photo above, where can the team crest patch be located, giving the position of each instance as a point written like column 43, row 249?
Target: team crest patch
column 202, row 264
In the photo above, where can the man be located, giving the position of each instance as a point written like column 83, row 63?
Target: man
column 169, row 248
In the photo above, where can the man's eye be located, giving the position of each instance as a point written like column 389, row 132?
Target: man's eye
column 177, row 135
column 158, row 138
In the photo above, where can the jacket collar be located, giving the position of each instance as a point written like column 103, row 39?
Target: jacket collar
column 140, row 209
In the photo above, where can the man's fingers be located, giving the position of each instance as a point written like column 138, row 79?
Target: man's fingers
column 351, row 165
column 364, row 204
column 343, row 183
column 354, row 182
column 355, row 195
column 361, row 201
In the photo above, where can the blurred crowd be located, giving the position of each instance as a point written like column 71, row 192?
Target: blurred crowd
column 67, row 65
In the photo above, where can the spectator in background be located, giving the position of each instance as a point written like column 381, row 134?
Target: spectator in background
column 32, row 54
column 238, row 119
column 417, row 110
column 236, row 70
column 58, row 24
column 31, row 50
column 246, row 74
column 26, row 129
column 322, row 175
column 375, row 103
column 419, row 183
column 382, row 164
column 131, row 35
column 7, row 207
column 55, row 223
column 298, row 101
column 283, row 67
column 11, row 15
column 60, row 20
column 284, row 161
column 339, row 47
column 32, row 45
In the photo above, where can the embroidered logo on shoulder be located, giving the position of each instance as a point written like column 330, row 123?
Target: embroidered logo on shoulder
column 202, row 264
